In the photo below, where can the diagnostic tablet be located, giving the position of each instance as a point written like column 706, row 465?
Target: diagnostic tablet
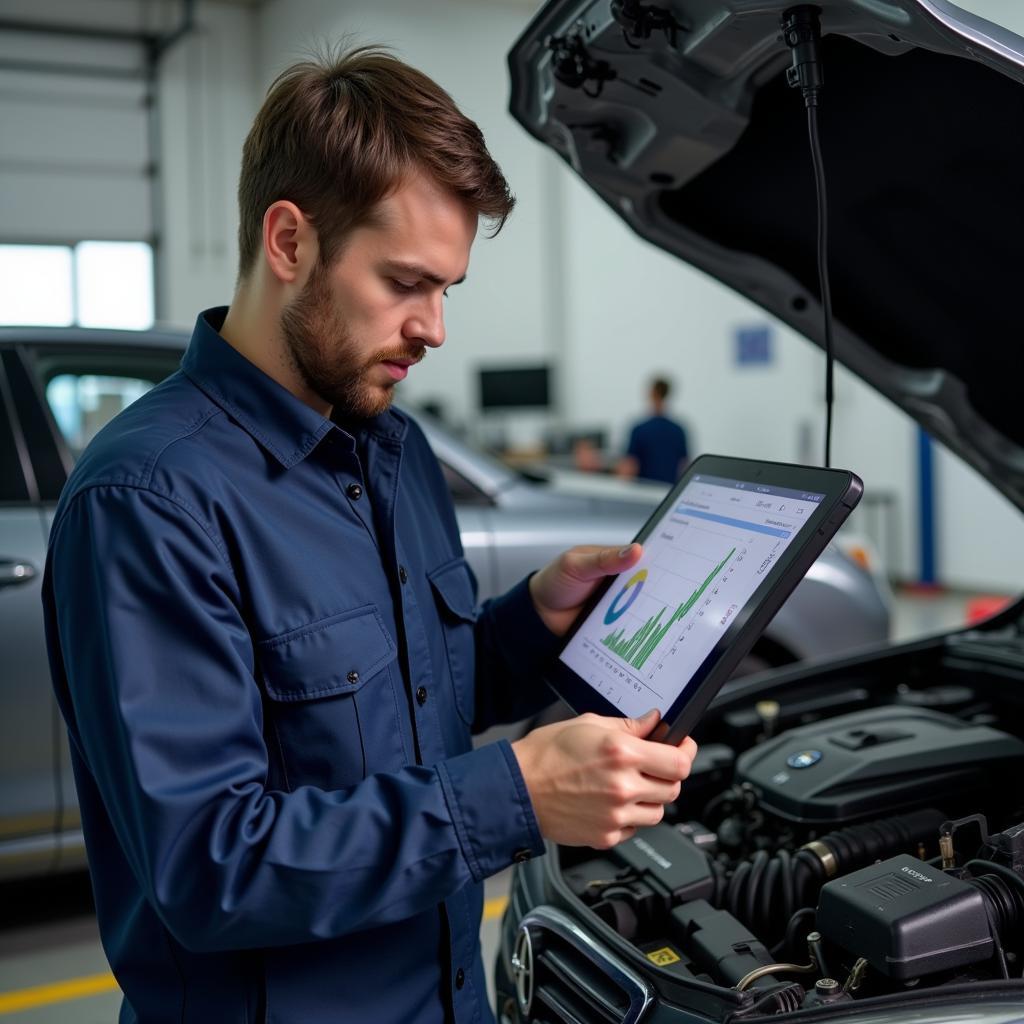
column 721, row 553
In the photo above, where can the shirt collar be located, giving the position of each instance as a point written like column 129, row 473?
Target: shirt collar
column 281, row 423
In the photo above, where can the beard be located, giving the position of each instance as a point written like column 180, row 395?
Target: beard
column 322, row 350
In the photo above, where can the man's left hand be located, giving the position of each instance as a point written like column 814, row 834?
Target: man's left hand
column 560, row 589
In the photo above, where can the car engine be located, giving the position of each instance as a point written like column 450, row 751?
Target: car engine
column 858, row 855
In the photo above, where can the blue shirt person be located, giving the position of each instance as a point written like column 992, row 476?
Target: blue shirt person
column 263, row 634
column 657, row 448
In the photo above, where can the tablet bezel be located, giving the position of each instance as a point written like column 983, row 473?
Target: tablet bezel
column 841, row 489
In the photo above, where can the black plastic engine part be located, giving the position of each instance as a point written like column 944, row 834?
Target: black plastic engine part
column 719, row 944
column 907, row 919
column 877, row 762
column 666, row 859
column 632, row 909
column 1006, row 848
column 635, row 884
column 765, row 891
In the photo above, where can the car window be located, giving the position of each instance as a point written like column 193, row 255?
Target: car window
column 83, row 404
column 86, row 390
column 463, row 491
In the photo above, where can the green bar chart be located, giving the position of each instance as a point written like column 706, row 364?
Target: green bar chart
column 636, row 648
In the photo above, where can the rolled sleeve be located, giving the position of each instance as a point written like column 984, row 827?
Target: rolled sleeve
column 491, row 809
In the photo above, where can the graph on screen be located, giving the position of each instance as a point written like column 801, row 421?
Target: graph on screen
column 655, row 626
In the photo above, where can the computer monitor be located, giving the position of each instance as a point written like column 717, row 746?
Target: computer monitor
column 518, row 387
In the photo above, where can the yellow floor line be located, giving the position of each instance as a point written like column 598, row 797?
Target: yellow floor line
column 57, row 992
column 495, row 907
column 97, row 984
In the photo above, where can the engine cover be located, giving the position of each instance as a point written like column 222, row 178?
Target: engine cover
column 877, row 762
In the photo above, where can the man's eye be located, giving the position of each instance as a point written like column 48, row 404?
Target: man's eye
column 403, row 286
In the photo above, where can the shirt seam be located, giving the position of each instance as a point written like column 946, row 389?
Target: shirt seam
column 149, row 466
column 132, row 484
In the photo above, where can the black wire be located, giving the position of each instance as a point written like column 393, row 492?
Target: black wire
column 826, row 289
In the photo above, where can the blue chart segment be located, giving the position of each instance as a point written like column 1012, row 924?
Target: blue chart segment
column 702, row 562
column 637, row 648
column 625, row 597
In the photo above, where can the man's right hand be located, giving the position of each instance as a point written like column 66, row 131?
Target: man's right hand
column 594, row 780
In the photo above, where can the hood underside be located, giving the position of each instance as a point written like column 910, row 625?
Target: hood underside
column 678, row 115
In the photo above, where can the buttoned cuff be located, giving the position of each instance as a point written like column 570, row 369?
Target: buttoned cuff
column 490, row 808
column 522, row 636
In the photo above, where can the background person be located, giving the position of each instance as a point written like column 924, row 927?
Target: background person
column 262, row 631
column 657, row 448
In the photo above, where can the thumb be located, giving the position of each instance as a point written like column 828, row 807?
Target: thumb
column 644, row 725
column 592, row 563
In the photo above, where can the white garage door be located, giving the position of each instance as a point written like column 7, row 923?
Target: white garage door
column 74, row 160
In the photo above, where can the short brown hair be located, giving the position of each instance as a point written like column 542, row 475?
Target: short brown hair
column 660, row 387
column 336, row 135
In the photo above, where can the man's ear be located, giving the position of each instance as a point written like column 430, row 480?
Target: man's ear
column 289, row 242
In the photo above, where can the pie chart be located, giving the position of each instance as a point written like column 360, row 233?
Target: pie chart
column 625, row 597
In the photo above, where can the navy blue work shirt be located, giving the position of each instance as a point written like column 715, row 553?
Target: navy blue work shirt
column 269, row 658
column 659, row 446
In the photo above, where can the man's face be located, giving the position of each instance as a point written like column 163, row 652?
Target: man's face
column 361, row 323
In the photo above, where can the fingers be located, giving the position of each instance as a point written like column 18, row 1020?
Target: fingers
column 589, row 562
column 657, row 791
column 689, row 748
column 659, row 760
column 642, row 726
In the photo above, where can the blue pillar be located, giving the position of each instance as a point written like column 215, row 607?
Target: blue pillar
column 928, row 576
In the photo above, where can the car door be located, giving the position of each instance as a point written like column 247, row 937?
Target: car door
column 28, row 789
column 65, row 394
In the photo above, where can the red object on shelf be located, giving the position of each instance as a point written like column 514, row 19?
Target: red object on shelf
column 984, row 607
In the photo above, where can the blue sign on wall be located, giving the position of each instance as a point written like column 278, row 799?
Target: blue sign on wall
column 753, row 345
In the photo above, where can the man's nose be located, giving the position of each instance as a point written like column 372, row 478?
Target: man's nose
column 426, row 325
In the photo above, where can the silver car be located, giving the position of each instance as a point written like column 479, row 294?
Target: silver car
column 58, row 387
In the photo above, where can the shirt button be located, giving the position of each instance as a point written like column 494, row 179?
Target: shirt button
column 354, row 491
column 421, row 696
column 353, row 677
column 520, row 855
column 402, row 574
column 460, row 978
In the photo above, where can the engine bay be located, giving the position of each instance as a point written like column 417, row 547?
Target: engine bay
column 828, row 852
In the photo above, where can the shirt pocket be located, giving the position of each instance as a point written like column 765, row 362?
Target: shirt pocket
column 453, row 588
column 333, row 700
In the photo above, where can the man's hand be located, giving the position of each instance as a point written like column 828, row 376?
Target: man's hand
column 560, row 589
column 594, row 780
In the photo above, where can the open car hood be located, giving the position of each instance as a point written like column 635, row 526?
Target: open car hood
column 677, row 113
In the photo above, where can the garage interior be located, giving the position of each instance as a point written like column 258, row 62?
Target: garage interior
column 122, row 122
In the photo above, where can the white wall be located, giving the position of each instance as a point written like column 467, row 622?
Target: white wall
column 565, row 281
column 504, row 310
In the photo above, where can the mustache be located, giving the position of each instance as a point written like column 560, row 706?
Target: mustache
column 402, row 355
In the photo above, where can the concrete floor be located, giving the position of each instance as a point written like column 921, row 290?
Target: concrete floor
column 52, row 969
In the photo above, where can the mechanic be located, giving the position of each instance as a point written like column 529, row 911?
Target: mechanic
column 262, row 630
column 658, row 447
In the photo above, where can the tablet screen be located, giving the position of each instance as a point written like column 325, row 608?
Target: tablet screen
column 703, row 560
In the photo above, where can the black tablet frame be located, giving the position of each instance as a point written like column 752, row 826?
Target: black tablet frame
column 841, row 489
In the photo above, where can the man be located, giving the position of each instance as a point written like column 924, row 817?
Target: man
column 657, row 447
column 263, row 633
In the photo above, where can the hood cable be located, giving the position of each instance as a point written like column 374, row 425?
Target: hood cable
column 801, row 30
